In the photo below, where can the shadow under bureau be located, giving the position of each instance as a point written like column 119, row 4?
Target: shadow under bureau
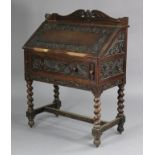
column 85, row 50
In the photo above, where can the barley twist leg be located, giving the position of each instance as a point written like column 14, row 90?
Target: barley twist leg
column 97, row 121
column 56, row 101
column 29, row 112
column 120, row 108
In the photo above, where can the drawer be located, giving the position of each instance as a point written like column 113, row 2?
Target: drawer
column 68, row 68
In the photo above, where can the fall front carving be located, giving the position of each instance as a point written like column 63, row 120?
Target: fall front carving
column 85, row 50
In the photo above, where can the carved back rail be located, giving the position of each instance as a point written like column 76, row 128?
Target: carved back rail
column 88, row 16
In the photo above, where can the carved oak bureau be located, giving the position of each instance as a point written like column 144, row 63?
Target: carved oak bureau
column 85, row 50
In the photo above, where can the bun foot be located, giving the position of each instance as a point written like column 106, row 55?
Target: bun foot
column 31, row 123
column 120, row 129
column 97, row 142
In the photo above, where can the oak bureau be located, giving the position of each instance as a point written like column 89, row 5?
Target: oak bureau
column 85, row 50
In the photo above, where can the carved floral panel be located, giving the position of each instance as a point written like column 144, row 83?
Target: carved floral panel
column 112, row 68
column 118, row 46
column 102, row 33
column 72, row 69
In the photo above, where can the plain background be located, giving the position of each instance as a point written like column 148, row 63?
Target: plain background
column 61, row 135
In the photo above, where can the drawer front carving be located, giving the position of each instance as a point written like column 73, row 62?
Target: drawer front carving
column 112, row 68
column 118, row 46
column 79, row 70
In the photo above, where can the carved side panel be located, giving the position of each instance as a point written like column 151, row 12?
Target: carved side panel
column 118, row 46
column 112, row 68
column 79, row 70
